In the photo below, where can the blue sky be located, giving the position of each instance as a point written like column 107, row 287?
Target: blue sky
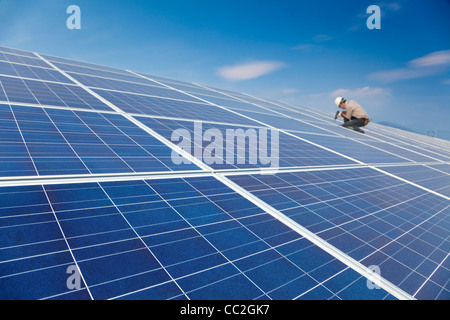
column 302, row 52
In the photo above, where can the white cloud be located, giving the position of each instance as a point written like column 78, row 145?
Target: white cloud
column 360, row 92
column 307, row 47
column 316, row 46
column 389, row 76
column 322, row 38
column 249, row 70
column 430, row 64
column 391, row 6
column 289, row 91
column 438, row 58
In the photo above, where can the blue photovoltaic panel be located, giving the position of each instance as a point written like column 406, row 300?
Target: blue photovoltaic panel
column 292, row 151
column 189, row 88
column 34, row 61
column 16, row 90
column 230, row 103
column 150, row 89
column 146, row 105
column 373, row 218
column 24, row 71
column 356, row 150
column 284, row 123
column 401, row 151
column 88, row 71
column 83, row 64
column 431, row 177
column 17, row 52
column 436, row 148
column 161, row 239
column 441, row 167
column 426, row 150
column 48, row 93
column 70, row 142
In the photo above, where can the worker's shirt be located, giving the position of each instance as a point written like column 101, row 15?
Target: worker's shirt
column 353, row 109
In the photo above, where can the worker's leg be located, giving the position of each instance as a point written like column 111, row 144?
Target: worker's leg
column 354, row 123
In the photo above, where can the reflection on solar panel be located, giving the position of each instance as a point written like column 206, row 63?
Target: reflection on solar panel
column 100, row 198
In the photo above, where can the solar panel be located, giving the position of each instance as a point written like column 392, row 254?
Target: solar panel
column 433, row 177
column 293, row 152
column 177, row 241
column 71, row 142
column 372, row 217
column 108, row 191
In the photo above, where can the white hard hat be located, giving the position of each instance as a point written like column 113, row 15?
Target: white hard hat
column 338, row 101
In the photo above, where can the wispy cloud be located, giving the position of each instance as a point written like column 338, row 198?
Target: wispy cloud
column 430, row 64
column 250, row 70
column 438, row 58
column 316, row 44
column 289, row 91
column 308, row 47
column 364, row 92
column 390, row 6
column 322, row 38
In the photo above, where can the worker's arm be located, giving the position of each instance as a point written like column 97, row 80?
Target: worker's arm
column 347, row 113
column 343, row 114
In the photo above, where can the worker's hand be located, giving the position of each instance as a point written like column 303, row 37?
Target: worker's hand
column 340, row 114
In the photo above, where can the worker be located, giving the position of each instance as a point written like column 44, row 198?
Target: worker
column 354, row 115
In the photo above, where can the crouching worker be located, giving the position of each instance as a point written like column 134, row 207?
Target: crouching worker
column 354, row 115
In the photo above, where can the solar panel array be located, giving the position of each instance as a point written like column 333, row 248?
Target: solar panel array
column 93, row 205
